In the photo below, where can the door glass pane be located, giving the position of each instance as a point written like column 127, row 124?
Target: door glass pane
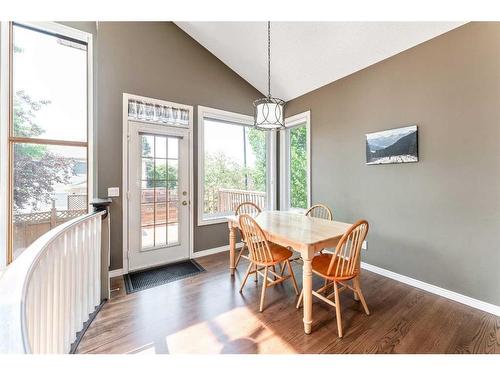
column 161, row 194
column 148, row 236
column 173, row 233
column 147, row 214
column 173, row 167
column 173, row 148
column 49, row 188
column 173, row 191
column 147, row 192
column 298, row 166
column 160, row 235
column 161, row 147
column 49, row 86
column 160, row 169
column 160, row 213
column 148, row 146
column 159, row 191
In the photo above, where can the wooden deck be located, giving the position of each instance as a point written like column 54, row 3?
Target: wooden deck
column 207, row 314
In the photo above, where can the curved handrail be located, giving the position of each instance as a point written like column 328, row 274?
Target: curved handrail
column 13, row 288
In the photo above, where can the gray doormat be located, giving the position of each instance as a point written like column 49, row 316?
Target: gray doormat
column 152, row 277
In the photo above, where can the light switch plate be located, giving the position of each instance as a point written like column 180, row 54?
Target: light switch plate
column 113, row 192
column 364, row 245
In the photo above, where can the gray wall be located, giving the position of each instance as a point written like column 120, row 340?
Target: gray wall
column 437, row 220
column 159, row 60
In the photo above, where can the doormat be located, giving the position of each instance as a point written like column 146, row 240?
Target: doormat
column 152, row 277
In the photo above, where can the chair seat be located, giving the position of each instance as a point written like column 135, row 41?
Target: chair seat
column 320, row 266
column 279, row 254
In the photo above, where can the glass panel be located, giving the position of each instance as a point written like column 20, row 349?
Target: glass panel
column 49, row 188
column 235, row 167
column 298, row 167
column 148, row 237
column 160, row 213
column 148, row 146
column 173, row 213
column 161, row 147
column 173, row 233
column 147, row 214
column 173, row 166
column 173, row 192
column 160, row 194
column 173, row 148
column 49, row 81
column 160, row 183
column 147, row 193
column 161, row 235
column 160, row 169
column 147, row 170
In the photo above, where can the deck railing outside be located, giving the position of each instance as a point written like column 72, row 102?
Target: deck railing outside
column 229, row 199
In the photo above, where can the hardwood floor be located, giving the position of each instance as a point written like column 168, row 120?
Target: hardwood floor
column 207, row 314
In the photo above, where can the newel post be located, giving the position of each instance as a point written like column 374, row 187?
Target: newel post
column 103, row 205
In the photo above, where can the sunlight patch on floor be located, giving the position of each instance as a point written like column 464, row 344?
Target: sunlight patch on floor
column 238, row 330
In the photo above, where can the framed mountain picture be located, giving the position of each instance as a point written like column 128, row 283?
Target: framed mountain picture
column 392, row 146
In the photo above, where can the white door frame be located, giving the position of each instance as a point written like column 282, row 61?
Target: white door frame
column 125, row 187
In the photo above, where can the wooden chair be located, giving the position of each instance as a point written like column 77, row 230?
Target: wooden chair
column 264, row 255
column 253, row 210
column 321, row 212
column 341, row 267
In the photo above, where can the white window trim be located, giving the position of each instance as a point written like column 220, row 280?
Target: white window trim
column 5, row 67
column 291, row 122
column 245, row 120
column 125, row 182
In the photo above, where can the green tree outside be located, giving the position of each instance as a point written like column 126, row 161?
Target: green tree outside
column 298, row 167
column 36, row 169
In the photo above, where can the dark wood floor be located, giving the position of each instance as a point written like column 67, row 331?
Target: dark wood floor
column 207, row 314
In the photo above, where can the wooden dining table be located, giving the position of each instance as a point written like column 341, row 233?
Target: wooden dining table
column 307, row 235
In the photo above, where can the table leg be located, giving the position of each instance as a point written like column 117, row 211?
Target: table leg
column 232, row 248
column 307, row 288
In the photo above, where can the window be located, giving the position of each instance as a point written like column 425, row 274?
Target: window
column 235, row 164
column 295, row 163
column 48, row 129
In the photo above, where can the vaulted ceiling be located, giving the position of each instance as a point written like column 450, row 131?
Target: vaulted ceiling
column 307, row 55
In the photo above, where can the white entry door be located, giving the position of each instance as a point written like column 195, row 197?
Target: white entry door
column 159, row 195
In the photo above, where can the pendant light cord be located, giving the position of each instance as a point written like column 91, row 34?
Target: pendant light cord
column 269, row 59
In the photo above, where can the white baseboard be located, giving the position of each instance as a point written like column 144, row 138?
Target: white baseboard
column 215, row 250
column 469, row 301
column 115, row 273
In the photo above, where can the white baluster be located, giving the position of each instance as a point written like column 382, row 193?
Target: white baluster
column 42, row 272
column 72, row 317
column 35, row 280
column 30, row 314
column 67, row 295
column 85, row 273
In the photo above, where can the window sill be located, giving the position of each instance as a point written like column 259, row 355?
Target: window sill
column 211, row 221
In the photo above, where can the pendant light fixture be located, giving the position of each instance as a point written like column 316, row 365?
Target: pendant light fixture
column 269, row 111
